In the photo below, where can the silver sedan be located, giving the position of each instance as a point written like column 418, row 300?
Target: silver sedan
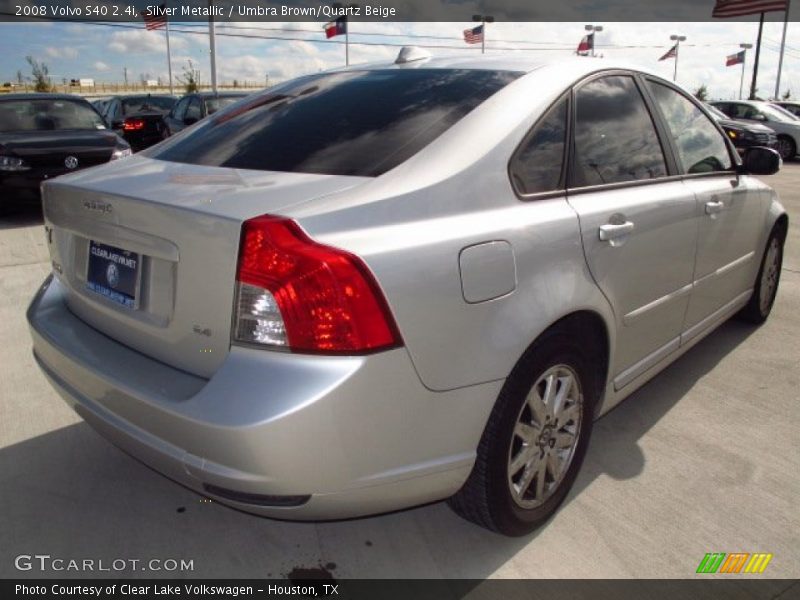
column 377, row 287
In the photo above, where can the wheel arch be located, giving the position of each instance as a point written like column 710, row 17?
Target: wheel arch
column 591, row 328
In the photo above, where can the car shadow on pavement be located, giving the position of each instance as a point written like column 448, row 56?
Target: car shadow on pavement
column 70, row 494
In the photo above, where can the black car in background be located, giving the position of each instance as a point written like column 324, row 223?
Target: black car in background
column 45, row 135
column 193, row 107
column 744, row 135
column 138, row 118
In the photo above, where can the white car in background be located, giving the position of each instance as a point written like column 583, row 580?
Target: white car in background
column 786, row 126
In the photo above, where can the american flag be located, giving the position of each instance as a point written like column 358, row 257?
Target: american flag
column 154, row 21
column 474, row 35
column 671, row 53
column 739, row 8
column 734, row 59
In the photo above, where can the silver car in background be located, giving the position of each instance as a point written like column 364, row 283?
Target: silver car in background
column 373, row 288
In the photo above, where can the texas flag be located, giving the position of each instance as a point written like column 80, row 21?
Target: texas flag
column 734, row 59
column 337, row 27
column 586, row 45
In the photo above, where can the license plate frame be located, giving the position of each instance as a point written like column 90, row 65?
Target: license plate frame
column 114, row 273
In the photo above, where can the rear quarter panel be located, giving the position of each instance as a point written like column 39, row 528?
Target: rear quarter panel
column 411, row 224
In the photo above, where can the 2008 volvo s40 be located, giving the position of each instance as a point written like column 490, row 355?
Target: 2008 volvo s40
column 378, row 287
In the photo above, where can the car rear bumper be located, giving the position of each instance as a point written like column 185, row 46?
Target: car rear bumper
column 277, row 434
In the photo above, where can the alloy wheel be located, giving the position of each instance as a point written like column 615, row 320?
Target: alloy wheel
column 546, row 433
column 769, row 275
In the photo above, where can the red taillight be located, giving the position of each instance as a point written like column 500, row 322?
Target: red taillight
column 133, row 124
column 309, row 297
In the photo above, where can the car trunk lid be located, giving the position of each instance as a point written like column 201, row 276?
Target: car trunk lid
column 182, row 224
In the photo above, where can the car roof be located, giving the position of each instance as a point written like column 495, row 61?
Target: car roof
column 554, row 71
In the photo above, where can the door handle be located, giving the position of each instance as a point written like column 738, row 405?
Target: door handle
column 714, row 207
column 612, row 231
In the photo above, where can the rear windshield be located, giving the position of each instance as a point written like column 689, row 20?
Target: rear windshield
column 350, row 123
column 160, row 104
column 47, row 115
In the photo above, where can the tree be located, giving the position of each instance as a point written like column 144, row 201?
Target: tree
column 701, row 93
column 787, row 95
column 41, row 75
column 189, row 79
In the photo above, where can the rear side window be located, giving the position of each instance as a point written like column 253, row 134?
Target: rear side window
column 349, row 123
column 615, row 139
column 536, row 166
column 701, row 147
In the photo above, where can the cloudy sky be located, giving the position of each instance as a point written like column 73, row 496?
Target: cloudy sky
column 94, row 51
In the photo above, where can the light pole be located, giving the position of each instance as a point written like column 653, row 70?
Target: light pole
column 483, row 20
column 592, row 29
column 339, row 6
column 677, row 39
column 212, row 43
column 745, row 48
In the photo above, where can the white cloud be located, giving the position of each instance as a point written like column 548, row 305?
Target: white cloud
column 141, row 41
column 63, row 52
column 101, row 66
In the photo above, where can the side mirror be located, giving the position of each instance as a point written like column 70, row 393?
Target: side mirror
column 760, row 117
column 760, row 161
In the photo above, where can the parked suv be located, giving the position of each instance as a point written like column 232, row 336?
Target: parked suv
column 755, row 111
column 430, row 292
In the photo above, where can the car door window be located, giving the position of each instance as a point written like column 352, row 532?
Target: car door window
column 723, row 108
column 537, row 164
column 743, row 111
column 111, row 113
column 193, row 110
column 700, row 146
column 615, row 139
column 180, row 109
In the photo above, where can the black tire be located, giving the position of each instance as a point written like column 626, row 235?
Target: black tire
column 755, row 311
column 786, row 147
column 485, row 499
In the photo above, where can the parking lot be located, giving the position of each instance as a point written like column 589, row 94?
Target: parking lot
column 705, row 458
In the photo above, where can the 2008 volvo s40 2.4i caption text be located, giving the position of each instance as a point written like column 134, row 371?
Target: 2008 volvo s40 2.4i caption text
column 382, row 286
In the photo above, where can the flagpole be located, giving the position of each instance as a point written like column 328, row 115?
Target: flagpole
column 346, row 41
column 741, row 82
column 677, row 39
column 483, row 36
column 169, row 57
column 758, row 54
column 212, row 41
column 783, row 47
column 677, row 52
